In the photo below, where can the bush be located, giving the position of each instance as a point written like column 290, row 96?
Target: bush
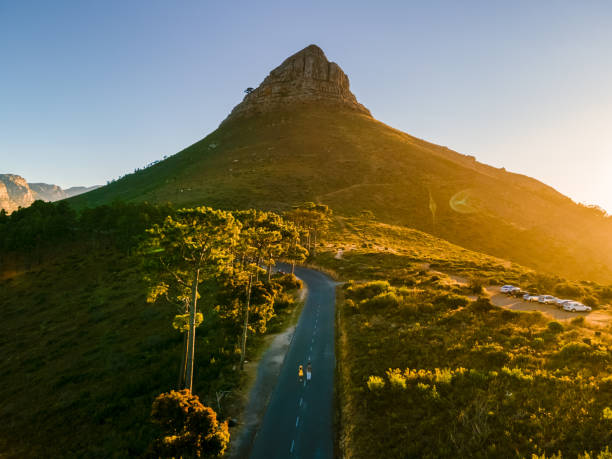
column 375, row 383
column 575, row 350
column 283, row 301
column 351, row 305
column 384, row 300
column 396, row 379
column 452, row 301
column 590, row 301
column 481, row 305
column 289, row 282
column 555, row 327
column 476, row 285
column 578, row 321
column 189, row 428
column 568, row 290
column 367, row 290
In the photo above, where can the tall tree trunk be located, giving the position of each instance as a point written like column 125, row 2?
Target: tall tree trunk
column 183, row 368
column 191, row 331
column 314, row 245
column 269, row 271
column 246, row 326
column 293, row 267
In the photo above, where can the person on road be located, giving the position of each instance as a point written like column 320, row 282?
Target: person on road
column 301, row 373
column 308, row 372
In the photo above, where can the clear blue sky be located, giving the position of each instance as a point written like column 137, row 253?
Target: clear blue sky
column 90, row 90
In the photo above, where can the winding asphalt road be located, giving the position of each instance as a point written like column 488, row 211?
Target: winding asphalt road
column 299, row 419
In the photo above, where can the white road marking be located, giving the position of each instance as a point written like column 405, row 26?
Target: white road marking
column 301, row 400
column 292, row 445
column 297, row 420
column 311, row 348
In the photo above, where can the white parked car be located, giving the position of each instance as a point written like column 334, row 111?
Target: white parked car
column 560, row 302
column 531, row 298
column 547, row 299
column 506, row 288
column 573, row 306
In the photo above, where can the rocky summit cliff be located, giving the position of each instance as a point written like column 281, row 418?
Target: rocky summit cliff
column 16, row 192
column 306, row 77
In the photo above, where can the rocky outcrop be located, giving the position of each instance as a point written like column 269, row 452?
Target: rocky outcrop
column 15, row 192
column 307, row 77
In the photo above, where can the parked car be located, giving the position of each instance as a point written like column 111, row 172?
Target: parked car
column 518, row 293
column 532, row 298
column 547, row 299
column 573, row 306
column 506, row 288
column 526, row 296
column 560, row 302
column 514, row 290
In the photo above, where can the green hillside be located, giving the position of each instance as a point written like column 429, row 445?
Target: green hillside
column 353, row 163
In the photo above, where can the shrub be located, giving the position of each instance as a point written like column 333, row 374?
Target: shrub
column 578, row 321
column 590, row 301
column 555, row 327
column 396, row 379
column 452, row 301
column 574, row 350
column 289, row 282
column 351, row 305
column 189, row 428
column 568, row 290
column 476, row 285
column 481, row 305
column 368, row 290
column 283, row 301
column 375, row 383
column 384, row 300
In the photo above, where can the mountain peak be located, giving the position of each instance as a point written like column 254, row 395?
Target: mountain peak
column 303, row 78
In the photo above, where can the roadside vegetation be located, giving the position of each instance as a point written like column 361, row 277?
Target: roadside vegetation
column 428, row 370
column 87, row 354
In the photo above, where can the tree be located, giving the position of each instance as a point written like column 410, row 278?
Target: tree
column 293, row 249
column 314, row 219
column 261, row 241
column 189, row 429
column 184, row 251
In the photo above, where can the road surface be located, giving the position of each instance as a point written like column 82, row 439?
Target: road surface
column 299, row 419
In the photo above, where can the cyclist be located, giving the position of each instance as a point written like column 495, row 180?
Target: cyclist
column 308, row 372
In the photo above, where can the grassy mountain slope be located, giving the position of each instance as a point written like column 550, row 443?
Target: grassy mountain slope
column 353, row 162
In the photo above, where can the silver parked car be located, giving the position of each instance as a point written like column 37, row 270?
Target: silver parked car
column 574, row 306
column 547, row 299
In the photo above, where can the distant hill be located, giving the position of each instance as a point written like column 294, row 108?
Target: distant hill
column 15, row 192
column 302, row 136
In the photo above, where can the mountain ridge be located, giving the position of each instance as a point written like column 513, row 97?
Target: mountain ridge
column 331, row 152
